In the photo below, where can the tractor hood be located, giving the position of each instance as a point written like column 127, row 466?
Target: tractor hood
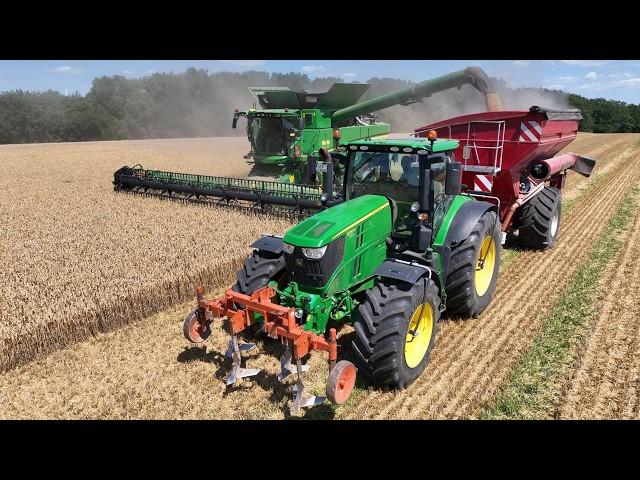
column 328, row 225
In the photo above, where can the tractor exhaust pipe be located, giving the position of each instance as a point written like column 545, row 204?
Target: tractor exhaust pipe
column 327, row 178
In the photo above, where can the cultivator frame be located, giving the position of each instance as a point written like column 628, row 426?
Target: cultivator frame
column 246, row 194
column 278, row 322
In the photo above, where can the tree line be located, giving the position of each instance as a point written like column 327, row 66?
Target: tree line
column 197, row 103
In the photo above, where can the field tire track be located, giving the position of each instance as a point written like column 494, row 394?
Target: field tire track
column 605, row 377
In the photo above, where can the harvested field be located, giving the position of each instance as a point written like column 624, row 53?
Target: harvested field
column 147, row 369
column 79, row 259
column 604, row 380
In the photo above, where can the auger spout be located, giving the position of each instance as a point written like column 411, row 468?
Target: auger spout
column 474, row 76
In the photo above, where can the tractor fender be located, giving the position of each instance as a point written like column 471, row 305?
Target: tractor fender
column 466, row 218
column 409, row 272
column 269, row 243
column 461, row 226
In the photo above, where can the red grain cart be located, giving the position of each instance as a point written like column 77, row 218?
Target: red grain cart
column 508, row 156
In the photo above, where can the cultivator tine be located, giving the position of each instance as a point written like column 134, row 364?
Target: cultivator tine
column 301, row 401
column 286, row 367
column 244, row 347
column 237, row 371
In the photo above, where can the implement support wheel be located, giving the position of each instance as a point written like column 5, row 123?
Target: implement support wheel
column 193, row 330
column 342, row 379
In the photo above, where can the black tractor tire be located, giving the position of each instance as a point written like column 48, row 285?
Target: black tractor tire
column 256, row 272
column 463, row 298
column 538, row 220
column 382, row 325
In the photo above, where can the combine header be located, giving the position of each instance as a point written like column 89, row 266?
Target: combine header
column 287, row 137
column 414, row 233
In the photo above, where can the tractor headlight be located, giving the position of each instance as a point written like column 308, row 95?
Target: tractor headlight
column 288, row 248
column 314, row 253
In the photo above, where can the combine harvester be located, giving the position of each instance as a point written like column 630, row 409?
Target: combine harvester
column 397, row 249
column 286, row 136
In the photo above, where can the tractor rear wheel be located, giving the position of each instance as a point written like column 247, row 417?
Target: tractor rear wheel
column 396, row 328
column 538, row 220
column 473, row 268
column 257, row 271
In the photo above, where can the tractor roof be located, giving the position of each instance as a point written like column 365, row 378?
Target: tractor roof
column 443, row 145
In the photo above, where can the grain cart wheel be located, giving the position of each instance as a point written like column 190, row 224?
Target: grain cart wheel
column 258, row 270
column 396, row 328
column 538, row 220
column 342, row 379
column 473, row 268
column 193, row 330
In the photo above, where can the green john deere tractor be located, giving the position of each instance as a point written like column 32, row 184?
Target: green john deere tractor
column 401, row 245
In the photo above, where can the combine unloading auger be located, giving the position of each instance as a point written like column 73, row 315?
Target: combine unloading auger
column 291, row 137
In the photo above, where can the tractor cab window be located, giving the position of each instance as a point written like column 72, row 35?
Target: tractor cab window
column 396, row 176
column 378, row 173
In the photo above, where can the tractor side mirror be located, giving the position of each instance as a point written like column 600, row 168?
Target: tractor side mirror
column 235, row 121
column 454, row 178
column 300, row 123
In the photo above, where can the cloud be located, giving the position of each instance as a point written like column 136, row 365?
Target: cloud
column 245, row 63
column 348, row 75
column 312, row 68
column 630, row 82
column 555, row 86
column 563, row 79
column 585, row 63
column 128, row 73
column 619, row 75
column 591, row 76
column 68, row 70
column 520, row 63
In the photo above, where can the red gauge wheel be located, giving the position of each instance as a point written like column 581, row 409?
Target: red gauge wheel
column 342, row 379
column 193, row 330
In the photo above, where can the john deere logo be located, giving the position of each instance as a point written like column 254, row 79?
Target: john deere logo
column 299, row 262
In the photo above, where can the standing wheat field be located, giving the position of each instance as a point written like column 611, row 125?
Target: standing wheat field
column 148, row 370
column 79, row 259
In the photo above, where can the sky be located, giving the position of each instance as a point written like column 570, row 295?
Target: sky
column 611, row 79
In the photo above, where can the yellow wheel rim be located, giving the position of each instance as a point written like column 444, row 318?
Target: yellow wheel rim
column 418, row 335
column 485, row 265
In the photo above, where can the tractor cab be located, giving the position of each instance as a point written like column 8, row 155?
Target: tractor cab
column 411, row 173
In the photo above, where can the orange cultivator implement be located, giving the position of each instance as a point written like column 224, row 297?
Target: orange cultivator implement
column 279, row 322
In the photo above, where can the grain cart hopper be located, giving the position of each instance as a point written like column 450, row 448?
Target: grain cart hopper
column 286, row 136
column 508, row 157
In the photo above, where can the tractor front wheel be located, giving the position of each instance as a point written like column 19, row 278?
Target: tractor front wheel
column 473, row 268
column 396, row 328
column 257, row 271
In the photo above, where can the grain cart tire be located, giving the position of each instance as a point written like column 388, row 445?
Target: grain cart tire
column 385, row 349
column 538, row 220
column 473, row 268
column 256, row 272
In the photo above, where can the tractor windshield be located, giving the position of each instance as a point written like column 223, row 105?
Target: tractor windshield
column 268, row 135
column 396, row 176
column 382, row 173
